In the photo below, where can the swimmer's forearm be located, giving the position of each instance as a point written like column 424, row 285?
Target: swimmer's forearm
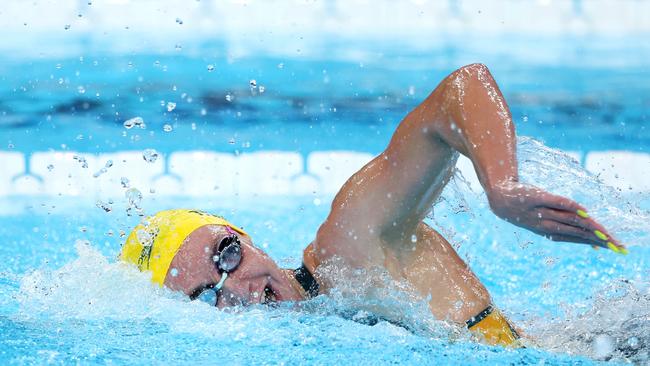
column 468, row 112
column 472, row 116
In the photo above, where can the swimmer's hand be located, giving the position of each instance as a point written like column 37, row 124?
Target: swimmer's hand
column 555, row 217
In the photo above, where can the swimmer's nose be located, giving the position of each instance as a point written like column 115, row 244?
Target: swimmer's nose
column 234, row 295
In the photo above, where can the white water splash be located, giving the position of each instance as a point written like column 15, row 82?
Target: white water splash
column 95, row 290
column 616, row 325
column 372, row 295
column 90, row 287
column 559, row 173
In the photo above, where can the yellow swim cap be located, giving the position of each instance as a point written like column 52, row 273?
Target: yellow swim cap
column 153, row 244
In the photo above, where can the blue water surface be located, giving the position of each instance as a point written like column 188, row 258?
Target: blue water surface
column 65, row 299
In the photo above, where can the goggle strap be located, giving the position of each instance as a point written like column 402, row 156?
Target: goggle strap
column 219, row 285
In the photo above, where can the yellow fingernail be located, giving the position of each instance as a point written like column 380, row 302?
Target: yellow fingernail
column 600, row 235
column 613, row 247
column 582, row 214
column 623, row 250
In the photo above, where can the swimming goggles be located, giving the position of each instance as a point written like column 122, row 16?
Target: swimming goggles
column 226, row 259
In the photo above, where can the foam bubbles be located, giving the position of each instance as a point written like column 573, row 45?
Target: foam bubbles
column 561, row 174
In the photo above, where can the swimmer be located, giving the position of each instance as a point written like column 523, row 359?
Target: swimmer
column 376, row 219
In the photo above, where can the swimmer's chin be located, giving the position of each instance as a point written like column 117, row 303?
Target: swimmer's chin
column 285, row 288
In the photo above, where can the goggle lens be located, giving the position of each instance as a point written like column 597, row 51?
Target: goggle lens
column 226, row 260
column 230, row 257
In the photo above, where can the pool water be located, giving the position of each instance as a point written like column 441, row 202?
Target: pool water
column 65, row 299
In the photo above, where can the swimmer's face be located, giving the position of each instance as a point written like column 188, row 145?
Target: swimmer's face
column 257, row 279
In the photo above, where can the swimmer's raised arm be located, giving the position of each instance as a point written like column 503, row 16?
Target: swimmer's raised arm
column 466, row 113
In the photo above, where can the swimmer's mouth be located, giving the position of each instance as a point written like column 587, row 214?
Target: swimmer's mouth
column 269, row 297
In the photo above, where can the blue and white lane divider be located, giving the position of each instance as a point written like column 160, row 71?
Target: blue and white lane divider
column 208, row 173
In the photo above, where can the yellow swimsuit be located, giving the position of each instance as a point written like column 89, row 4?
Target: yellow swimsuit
column 494, row 328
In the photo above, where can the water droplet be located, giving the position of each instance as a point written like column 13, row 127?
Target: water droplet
column 81, row 89
column 262, row 88
column 124, row 181
column 179, row 21
column 178, row 47
column 603, row 346
column 171, row 106
column 193, row 126
column 173, row 272
column 281, row 65
column 203, row 111
column 253, row 83
column 104, row 169
column 150, row 155
column 228, row 97
column 414, row 238
column 411, row 90
column 231, row 141
column 99, row 172
column 66, row 27
column 81, row 160
column 144, row 238
column 107, row 207
column 133, row 122
column 633, row 342
column 167, row 127
column 317, row 202
column 50, row 167
column 134, row 196
column 210, row 67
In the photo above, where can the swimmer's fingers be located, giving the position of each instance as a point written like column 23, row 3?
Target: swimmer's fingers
column 564, row 227
column 571, row 218
column 567, row 211
column 555, row 230
column 568, row 239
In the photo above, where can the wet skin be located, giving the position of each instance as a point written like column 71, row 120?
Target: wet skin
column 380, row 209
column 245, row 285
